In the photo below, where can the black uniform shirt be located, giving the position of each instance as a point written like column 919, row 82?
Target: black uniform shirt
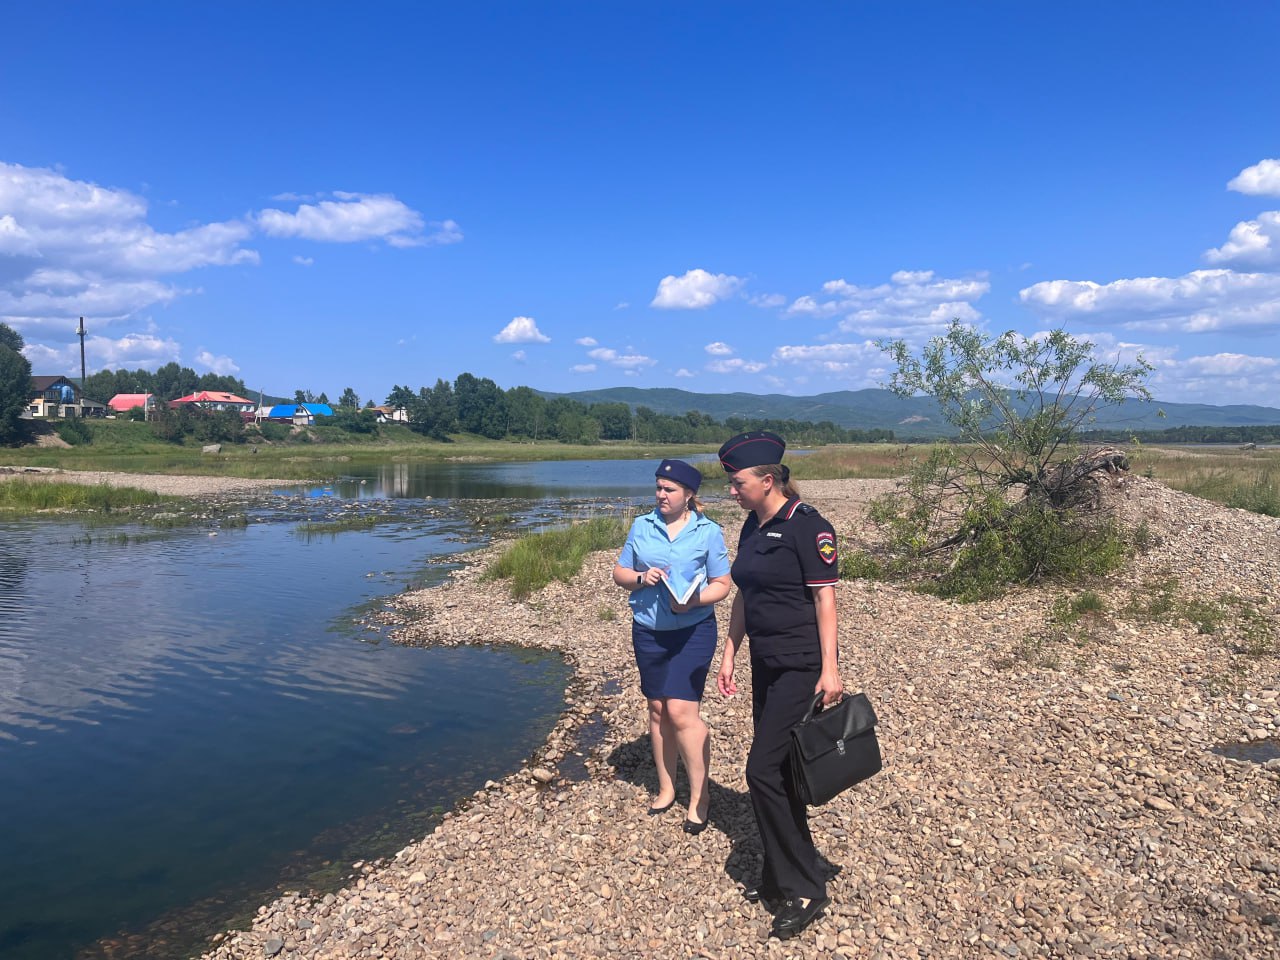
column 776, row 569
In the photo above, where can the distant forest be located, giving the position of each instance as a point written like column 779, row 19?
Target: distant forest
column 479, row 406
column 1247, row 434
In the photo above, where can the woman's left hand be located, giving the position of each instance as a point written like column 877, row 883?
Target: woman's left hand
column 830, row 687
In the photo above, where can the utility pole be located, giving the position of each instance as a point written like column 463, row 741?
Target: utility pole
column 80, row 333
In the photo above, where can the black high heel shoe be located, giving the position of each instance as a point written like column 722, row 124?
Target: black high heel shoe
column 654, row 811
column 693, row 827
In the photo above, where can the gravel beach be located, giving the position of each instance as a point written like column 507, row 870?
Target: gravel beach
column 1048, row 791
column 1042, row 795
column 171, row 485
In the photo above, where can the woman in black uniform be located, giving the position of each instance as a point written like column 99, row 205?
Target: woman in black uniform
column 786, row 572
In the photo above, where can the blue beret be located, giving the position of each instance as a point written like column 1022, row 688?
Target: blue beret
column 756, row 449
column 680, row 472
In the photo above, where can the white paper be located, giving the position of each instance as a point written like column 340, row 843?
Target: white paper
column 682, row 592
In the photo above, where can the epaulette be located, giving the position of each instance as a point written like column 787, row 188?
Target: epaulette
column 804, row 508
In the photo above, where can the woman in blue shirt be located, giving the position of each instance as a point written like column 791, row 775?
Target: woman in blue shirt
column 665, row 553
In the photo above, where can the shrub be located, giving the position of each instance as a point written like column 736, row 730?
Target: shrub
column 1016, row 502
column 73, row 431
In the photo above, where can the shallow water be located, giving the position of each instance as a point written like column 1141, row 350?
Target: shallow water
column 191, row 722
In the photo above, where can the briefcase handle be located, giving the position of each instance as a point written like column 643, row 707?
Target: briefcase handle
column 816, row 707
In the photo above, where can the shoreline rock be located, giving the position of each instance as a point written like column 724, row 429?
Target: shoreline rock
column 1056, row 798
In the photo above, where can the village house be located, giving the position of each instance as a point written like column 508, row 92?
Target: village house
column 387, row 414
column 216, row 400
column 61, row 397
column 299, row 414
column 124, row 402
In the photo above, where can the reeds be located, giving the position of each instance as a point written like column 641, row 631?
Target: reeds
column 535, row 560
column 18, row 497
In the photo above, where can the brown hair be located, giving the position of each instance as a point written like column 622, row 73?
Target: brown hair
column 781, row 478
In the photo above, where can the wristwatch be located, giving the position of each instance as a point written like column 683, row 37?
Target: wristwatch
column 639, row 579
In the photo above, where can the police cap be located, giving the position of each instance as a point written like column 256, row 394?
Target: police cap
column 756, row 449
column 680, row 472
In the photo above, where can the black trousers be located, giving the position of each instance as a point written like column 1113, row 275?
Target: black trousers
column 781, row 691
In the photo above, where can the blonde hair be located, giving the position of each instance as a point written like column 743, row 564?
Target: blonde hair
column 781, row 478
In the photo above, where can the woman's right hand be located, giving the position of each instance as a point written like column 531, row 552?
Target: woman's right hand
column 652, row 577
column 724, row 679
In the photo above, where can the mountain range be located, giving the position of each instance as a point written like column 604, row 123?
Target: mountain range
column 908, row 417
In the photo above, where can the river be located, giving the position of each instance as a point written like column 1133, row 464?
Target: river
column 193, row 720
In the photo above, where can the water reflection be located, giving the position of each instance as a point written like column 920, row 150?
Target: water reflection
column 180, row 719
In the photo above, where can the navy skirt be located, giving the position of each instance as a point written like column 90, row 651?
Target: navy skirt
column 674, row 663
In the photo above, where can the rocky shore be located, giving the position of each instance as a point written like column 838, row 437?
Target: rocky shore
column 171, row 485
column 1052, row 783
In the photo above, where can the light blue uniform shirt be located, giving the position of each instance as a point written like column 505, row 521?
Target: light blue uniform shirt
column 698, row 548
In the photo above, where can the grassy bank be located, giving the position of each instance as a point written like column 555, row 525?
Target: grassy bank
column 23, row 498
column 535, row 560
column 1248, row 479
column 128, row 447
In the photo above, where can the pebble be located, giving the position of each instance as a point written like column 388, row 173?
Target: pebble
column 1021, row 811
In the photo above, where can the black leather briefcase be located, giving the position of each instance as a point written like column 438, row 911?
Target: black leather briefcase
column 833, row 749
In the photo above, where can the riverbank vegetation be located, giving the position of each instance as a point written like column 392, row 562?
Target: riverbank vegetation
column 1014, row 502
column 23, row 497
column 1247, row 479
column 533, row 561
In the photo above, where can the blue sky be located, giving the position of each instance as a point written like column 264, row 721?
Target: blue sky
column 709, row 196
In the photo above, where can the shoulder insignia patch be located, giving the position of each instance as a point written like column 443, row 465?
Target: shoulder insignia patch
column 826, row 543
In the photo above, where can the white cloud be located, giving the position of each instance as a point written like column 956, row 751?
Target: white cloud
column 1252, row 242
column 767, row 301
column 223, row 366
column 1197, row 302
column 622, row 306
column 736, row 365
column 73, row 248
column 828, row 352
column 682, row 372
column 856, row 364
column 1262, row 178
column 625, row 361
column 130, row 351
column 695, row 290
column 521, row 330
column 1214, row 378
column 587, row 342
column 519, row 356
column 914, row 305
column 584, row 368
column 719, row 349
column 304, row 261
column 354, row 217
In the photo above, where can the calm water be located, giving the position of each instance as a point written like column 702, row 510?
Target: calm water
column 190, row 722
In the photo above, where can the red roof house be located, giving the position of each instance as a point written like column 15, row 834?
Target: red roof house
column 127, row 401
column 217, row 400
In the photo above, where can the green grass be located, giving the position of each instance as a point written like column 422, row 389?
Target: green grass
column 533, row 561
column 1247, row 479
column 22, row 497
column 341, row 525
column 1244, row 628
column 129, row 447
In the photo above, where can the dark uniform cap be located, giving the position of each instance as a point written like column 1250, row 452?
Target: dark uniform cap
column 756, row 449
column 680, row 472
